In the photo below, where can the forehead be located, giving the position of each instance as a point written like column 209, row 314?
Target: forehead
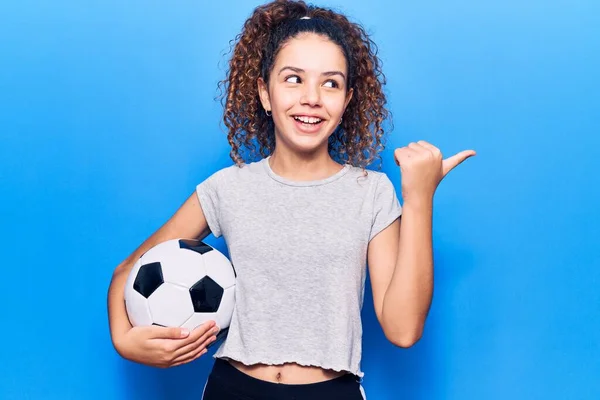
column 311, row 52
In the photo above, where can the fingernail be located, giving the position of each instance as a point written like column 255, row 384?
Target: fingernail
column 184, row 332
column 217, row 329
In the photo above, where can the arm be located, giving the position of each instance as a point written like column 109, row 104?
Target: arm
column 401, row 271
column 187, row 222
column 401, row 256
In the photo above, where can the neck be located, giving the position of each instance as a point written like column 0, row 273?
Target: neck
column 303, row 167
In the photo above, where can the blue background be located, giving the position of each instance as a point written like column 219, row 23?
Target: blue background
column 108, row 121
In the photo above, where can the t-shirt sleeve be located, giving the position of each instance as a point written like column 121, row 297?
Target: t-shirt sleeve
column 386, row 207
column 208, row 195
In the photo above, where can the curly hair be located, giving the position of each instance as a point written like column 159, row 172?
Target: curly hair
column 250, row 132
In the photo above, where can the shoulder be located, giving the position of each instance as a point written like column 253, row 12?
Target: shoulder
column 242, row 171
column 235, row 173
column 373, row 185
column 368, row 177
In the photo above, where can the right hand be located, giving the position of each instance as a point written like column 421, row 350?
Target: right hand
column 162, row 347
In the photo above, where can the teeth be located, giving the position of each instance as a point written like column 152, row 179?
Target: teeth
column 308, row 120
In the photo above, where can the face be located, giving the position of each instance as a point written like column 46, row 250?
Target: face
column 306, row 93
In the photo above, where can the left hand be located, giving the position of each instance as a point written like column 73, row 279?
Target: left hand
column 423, row 168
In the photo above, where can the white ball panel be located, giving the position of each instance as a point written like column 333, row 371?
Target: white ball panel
column 132, row 274
column 161, row 251
column 198, row 319
column 183, row 267
column 137, row 308
column 170, row 305
column 219, row 268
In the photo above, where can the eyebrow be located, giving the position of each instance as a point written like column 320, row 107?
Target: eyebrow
column 300, row 70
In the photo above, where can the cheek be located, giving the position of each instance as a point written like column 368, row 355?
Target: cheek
column 335, row 106
column 283, row 100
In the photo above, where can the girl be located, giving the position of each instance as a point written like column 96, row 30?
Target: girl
column 303, row 218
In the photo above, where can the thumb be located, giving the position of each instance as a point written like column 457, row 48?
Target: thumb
column 452, row 162
column 171, row 332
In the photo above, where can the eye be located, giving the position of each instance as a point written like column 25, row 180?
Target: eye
column 334, row 84
column 287, row 79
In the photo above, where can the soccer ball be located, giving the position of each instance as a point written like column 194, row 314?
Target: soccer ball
column 181, row 282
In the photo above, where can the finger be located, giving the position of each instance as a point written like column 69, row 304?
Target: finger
column 429, row 146
column 203, row 330
column 415, row 146
column 185, row 360
column 172, row 332
column 411, row 151
column 403, row 152
column 204, row 339
column 452, row 162
column 192, row 353
column 397, row 154
column 176, row 332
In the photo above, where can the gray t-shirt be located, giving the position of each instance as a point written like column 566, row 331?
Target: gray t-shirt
column 299, row 249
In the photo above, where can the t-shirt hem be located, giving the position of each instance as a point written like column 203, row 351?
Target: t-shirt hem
column 300, row 361
column 393, row 217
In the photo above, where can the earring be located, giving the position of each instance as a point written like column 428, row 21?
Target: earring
column 341, row 120
column 268, row 113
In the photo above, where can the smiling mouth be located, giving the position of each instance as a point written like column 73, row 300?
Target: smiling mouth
column 308, row 125
column 308, row 120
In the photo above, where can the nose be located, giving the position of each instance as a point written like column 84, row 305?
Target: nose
column 311, row 95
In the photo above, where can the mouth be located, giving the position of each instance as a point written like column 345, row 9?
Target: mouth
column 308, row 124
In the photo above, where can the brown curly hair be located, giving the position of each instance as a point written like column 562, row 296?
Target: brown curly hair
column 359, row 139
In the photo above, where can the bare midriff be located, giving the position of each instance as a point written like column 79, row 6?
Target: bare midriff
column 289, row 373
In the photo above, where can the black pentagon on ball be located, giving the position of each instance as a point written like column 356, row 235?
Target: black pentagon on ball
column 194, row 245
column 206, row 295
column 148, row 279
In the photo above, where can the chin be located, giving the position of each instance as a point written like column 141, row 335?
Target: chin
column 306, row 141
column 308, row 144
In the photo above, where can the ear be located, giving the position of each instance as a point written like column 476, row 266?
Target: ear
column 263, row 93
column 348, row 97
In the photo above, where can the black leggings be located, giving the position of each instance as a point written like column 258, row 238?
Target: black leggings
column 226, row 382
